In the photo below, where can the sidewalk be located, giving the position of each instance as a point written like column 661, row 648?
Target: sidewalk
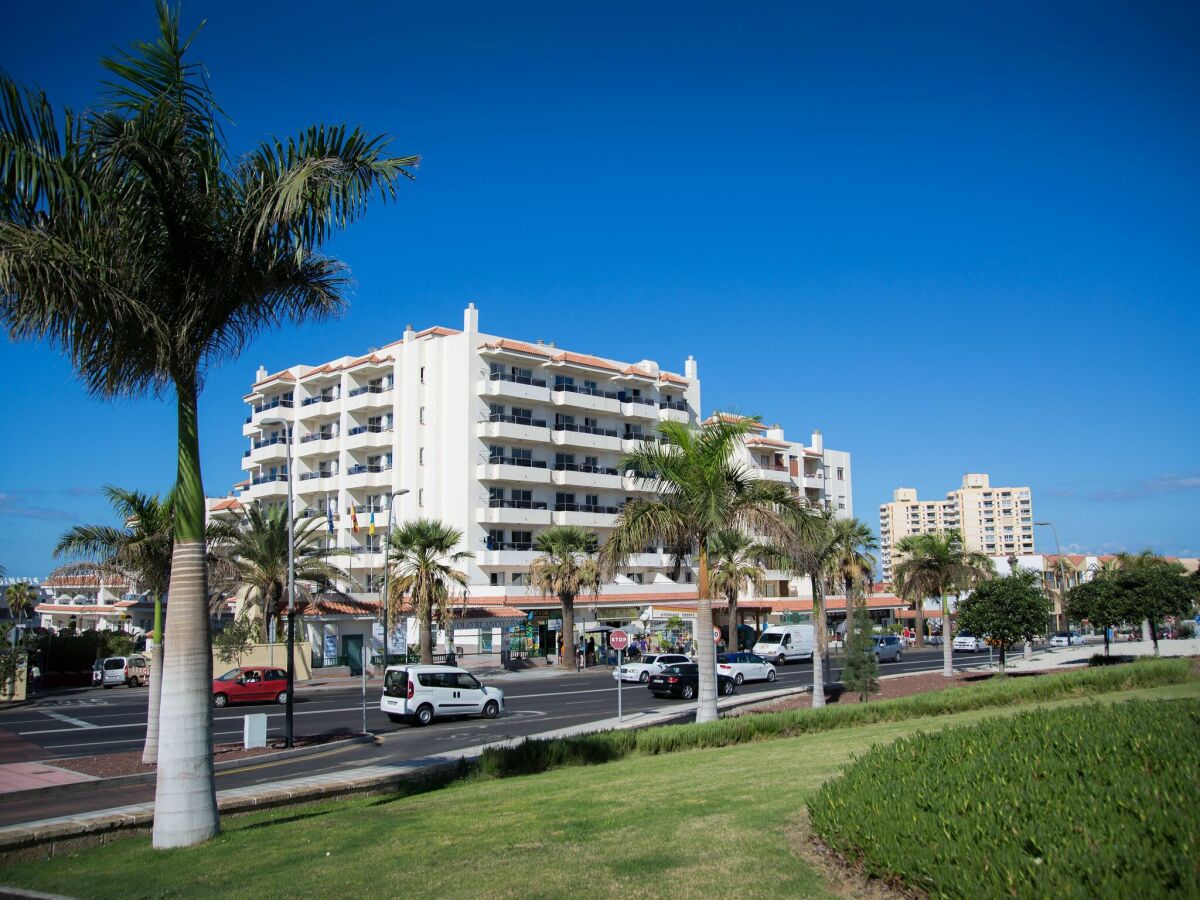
column 1056, row 657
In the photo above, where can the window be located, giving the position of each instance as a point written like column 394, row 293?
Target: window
column 421, row 415
column 421, row 497
column 495, row 537
column 495, row 453
column 636, row 577
column 592, row 499
column 590, row 385
column 841, row 474
column 518, row 577
column 421, row 456
column 494, row 579
column 422, row 374
column 522, row 539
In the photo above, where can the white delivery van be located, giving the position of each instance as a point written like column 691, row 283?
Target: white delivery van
column 785, row 643
column 418, row 694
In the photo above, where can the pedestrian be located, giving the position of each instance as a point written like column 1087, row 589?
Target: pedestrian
column 560, row 648
column 590, row 653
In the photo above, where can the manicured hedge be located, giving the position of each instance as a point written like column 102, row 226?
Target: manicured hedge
column 1092, row 801
column 539, row 755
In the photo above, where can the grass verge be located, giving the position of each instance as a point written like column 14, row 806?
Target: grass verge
column 533, row 756
column 994, row 794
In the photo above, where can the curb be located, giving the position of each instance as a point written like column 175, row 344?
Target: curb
column 118, row 781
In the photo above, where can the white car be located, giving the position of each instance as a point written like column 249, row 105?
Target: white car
column 418, row 694
column 650, row 664
column 1066, row 639
column 745, row 667
column 964, row 641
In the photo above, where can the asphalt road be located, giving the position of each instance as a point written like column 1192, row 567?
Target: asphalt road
column 92, row 721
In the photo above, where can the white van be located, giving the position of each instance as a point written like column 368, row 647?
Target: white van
column 782, row 643
column 417, row 694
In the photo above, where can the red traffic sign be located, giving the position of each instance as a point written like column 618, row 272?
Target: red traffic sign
column 716, row 635
column 618, row 640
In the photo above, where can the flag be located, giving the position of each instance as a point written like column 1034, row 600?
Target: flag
column 329, row 516
column 371, row 527
column 353, row 519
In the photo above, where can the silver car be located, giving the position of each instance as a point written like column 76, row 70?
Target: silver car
column 888, row 647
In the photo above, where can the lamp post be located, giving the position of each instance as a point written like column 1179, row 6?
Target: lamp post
column 291, row 585
column 1061, row 578
column 387, row 569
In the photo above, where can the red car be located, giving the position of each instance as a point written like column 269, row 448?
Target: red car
column 250, row 684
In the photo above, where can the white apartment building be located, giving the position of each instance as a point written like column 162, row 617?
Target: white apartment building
column 997, row 521
column 499, row 438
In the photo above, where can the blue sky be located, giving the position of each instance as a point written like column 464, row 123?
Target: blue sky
column 953, row 238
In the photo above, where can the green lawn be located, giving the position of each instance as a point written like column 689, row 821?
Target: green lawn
column 709, row 823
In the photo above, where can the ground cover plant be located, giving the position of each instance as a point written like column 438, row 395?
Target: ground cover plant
column 539, row 755
column 982, row 810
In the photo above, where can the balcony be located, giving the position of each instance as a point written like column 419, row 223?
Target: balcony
column 814, row 481
column 592, row 399
column 514, row 469
column 315, row 407
column 367, row 397
column 517, row 512
column 585, row 515
column 673, row 411
column 317, row 442
column 268, row 486
column 586, row 436
column 638, row 407
column 361, row 436
column 507, row 555
column 516, row 387
column 318, row 475
column 268, row 450
column 362, row 476
column 636, row 440
column 584, row 476
column 277, row 407
column 773, row 473
column 514, row 428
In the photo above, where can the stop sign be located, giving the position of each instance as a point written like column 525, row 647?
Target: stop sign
column 716, row 635
column 618, row 640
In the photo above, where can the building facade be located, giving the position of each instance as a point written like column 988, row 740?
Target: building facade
column 997, row 521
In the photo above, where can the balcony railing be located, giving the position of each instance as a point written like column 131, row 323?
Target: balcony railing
column 328, row 662
column 771, row 467
column 361, row 469
column 591, row 392
column 585, row 429
column 267, row 479
column 517, row 420
column 320, row 398
column 586, row 508
column 644, row 401
column 368, row 508
column 373, row 429
column 509, row 545
column 267, row 442
column 498, row 503
column 516, row 461
column 516, row 379
column 311, row 512
column 309, row 476
column 369, row 389
column 318, row 436
column 673, row 404
column 277, row 402
column 587, row 469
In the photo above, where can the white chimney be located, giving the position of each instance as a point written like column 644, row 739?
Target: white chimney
column 260, row 374
column 471, row 319
column 409, row 334
column 689, row 367
column 818, row 442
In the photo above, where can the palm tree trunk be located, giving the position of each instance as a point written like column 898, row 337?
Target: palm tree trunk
column 569, row 660
column 706, row 698
column 185, row 802
column 426, row 634
column 150, row 750
column 920, row 623
column 732, row 644
column 947, row 640
column 818, row 690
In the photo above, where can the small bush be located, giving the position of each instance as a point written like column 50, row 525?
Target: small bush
column 1099, row 659
column 992, row 798
column 1186, row 630
column 541, row 755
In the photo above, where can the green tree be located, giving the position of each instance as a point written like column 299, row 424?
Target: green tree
column 936, row 565
column 697, row 490
column 813, row 547
column 423, row 559
column 257, row 546
column 131, row 239
column 20, row 599
column 852, row 565
column 1101, row 602
column 735, row 563
column 1006, row 610
column 566, row 568
column 861, row 673
column 1152, row 588
column 237, row 639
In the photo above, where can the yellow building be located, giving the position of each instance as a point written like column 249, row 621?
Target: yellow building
column 997, row 521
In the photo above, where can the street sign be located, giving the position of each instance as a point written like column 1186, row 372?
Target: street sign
column 716, row 635
column 618, row 640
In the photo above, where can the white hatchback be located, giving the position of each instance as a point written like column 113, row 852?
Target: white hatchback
column 418, row 694
column 650, row 664
column 745, row 667
column 970, row 642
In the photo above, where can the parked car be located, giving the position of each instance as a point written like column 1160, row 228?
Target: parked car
column 641, row 670
column 418, row 694
column 780, row 643
column 128, row 670
column 250, row 684
column 683, row 680
column 965, row 641
column 1066, row 639
column 888, row 647
column 745, row 667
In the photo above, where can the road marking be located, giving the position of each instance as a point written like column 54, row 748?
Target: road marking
column 77, row 723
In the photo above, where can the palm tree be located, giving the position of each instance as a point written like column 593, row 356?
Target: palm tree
column 853, row 562
column 812, row 548
column 735, row 561
column 566, row 568
column 936, row 565
column 19, row 597
column 698, row 490
column 423, row 559
column 257, row 546
column 131, row 239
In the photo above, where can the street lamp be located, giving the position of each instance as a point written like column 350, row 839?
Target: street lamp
column 387, row 569
column 291, row 587
column 1061, row 578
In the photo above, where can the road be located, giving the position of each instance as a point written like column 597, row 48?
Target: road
column 93, row 721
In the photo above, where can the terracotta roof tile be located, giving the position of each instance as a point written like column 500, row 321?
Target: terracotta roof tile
column 673, row 378
column 733, row 418
column 227, row 503
column 438, row 331
column 283, row 375
column 766, row 442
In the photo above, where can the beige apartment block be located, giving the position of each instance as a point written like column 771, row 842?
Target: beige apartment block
column 997, row 521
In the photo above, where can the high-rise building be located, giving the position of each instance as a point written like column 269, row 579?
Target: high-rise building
column 997, row 521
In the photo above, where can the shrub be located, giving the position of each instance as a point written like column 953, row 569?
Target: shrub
column 1099, row 659
column 1186, row 629
column 861, row 672
column 990, row 799
column 606, row 746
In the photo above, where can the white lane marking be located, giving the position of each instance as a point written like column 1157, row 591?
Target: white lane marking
column 77, row 723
